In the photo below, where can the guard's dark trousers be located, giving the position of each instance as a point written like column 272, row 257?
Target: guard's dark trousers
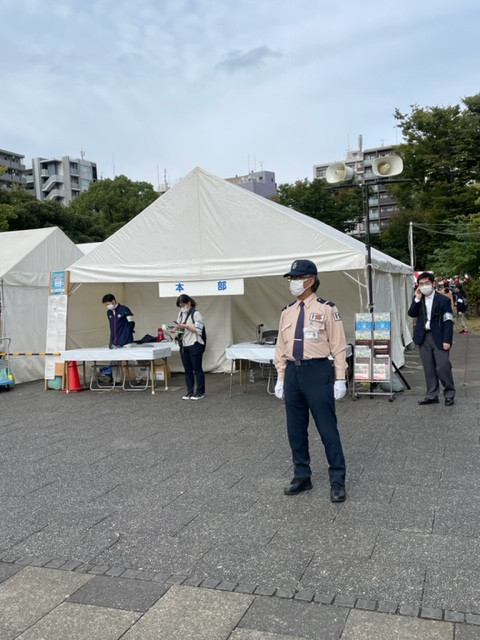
column 309, row 387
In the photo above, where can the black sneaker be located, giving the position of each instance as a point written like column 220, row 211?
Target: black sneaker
column 187, row 396
column 198, row 396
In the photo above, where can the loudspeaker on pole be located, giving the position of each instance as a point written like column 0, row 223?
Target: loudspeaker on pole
column 387, row 166
column 338, row 172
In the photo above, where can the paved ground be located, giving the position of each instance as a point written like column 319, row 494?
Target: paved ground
column 127, row 515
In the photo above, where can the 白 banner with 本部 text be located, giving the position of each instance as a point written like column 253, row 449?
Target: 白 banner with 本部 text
column 222, row 287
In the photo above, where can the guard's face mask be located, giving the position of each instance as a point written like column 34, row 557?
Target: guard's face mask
column 297, row 287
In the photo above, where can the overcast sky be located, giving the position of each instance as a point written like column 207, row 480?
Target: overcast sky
column 143, row 86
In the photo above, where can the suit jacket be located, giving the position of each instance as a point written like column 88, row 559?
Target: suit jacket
column 441, row 321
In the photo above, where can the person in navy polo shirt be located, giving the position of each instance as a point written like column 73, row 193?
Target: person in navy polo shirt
column 121, row 321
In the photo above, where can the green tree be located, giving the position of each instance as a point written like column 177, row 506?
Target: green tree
column 340, row 208
column 441, row 156
column 7, row 214
column 107, row 206
column 24, row 211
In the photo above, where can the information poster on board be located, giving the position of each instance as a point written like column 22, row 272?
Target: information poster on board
column 56, row 331
column 373, row 361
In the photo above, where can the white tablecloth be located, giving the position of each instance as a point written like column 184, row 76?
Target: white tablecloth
column 262, row 353
column 99, row 354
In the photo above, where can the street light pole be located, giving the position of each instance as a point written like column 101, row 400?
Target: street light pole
column 368, row 247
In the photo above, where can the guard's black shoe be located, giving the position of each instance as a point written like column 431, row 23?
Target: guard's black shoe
column 428, row 401
column 297, row 485
column 449, row 402
column 337, row 492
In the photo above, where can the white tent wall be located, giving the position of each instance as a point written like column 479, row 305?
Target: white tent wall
column 26, row 260
column 25, row 323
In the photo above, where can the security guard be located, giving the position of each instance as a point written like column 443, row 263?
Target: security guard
column 310, row 330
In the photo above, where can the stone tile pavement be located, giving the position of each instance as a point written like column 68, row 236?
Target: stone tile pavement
column 127, row 515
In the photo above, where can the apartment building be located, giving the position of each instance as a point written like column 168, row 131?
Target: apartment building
column 380, row 204
column 261, row 182
column 60, row 179
column 13, row 173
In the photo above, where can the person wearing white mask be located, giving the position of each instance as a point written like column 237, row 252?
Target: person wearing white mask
column 311, row 330
column 191, row 330
column 122, row 328
column 433, row 334
column 120, row 318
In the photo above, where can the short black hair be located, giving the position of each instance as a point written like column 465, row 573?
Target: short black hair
column 108, row 297
column 426, row 274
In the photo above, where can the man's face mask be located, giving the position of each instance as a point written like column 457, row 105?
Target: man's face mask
column 426, row 289
column 110, row 306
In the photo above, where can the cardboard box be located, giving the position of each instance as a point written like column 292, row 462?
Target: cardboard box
column 162, row 370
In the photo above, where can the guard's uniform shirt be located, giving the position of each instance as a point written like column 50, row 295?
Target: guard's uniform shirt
column 121, row 325
column 323, row 335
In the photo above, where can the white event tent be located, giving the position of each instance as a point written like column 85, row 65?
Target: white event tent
column 207, row 229
column 26, row 260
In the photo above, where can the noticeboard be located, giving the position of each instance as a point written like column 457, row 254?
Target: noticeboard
column 59, row 282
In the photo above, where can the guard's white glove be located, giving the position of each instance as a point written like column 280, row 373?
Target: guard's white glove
column 279, row 389
column 339, row 389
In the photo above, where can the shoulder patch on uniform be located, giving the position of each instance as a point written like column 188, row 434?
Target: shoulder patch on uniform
column 337, row 316
column 323, row 301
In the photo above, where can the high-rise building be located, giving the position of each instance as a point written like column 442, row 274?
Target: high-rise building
column 381, row 205
column 13, row 174
column 60, row 179
column 261, row 182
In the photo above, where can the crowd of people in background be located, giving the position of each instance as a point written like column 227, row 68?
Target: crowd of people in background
column 453, row 289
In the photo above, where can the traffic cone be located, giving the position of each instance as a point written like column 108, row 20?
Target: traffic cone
column 73, row 379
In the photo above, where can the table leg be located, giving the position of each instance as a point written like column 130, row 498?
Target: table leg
column 166, row 374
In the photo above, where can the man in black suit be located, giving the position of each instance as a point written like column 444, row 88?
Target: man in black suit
column 434, row 335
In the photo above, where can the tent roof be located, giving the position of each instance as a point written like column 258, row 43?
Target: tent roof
column 86, row 247
column 27, row 257
column 15, row 245
column 206, row 228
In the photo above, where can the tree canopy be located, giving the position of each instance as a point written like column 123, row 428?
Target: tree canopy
column 107, row 205
column 340, row 208
column 441, row 154
column 93, row 216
